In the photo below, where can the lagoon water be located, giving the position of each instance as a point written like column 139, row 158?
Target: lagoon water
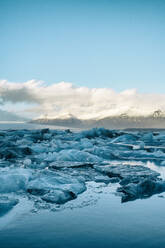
column 96, row 219
column 103, row 223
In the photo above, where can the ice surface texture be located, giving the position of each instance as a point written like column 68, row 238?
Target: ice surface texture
column 7, row 204
column 54, row 165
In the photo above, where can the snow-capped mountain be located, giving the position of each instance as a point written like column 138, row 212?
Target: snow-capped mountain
column 124, row 120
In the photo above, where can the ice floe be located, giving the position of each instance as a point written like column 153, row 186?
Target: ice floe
column 53, row 166
column 7, row 204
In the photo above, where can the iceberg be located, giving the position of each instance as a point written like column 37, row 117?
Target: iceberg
column 6, row 204
column 56, row 187
column 143, row 189
column 54, row 166
column 14, row 180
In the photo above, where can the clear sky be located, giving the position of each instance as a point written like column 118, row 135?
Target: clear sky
column 117, row 44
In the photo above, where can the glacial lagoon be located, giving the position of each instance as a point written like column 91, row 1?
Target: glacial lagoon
column 90, row 188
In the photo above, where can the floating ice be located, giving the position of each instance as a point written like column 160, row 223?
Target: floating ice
column 53, row 166
column 136, row 181
column 55, row 187
column 7, row 204
column 14, row 180
column 143, row 189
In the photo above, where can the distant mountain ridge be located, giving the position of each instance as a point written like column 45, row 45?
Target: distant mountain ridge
column 8, row 116
column 156, row 120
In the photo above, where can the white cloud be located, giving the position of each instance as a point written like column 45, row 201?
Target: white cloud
column 57, row 99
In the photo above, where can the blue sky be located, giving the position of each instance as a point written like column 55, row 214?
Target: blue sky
column 100, row 43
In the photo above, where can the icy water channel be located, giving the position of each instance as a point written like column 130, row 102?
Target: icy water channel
column 97, row 217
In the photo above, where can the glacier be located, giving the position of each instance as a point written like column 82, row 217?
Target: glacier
column 54, row 166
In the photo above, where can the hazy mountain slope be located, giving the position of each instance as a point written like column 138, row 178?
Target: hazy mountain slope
column 8, row 116
column 108, row 122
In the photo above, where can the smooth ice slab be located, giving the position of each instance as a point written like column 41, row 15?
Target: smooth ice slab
column 136, row 181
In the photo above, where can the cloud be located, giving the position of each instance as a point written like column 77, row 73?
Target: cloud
column 18, row 92
column 61, row 98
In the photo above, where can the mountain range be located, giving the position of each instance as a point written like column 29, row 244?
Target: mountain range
column 156, row 120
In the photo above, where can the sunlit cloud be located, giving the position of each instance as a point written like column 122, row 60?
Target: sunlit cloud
column 59, row 99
